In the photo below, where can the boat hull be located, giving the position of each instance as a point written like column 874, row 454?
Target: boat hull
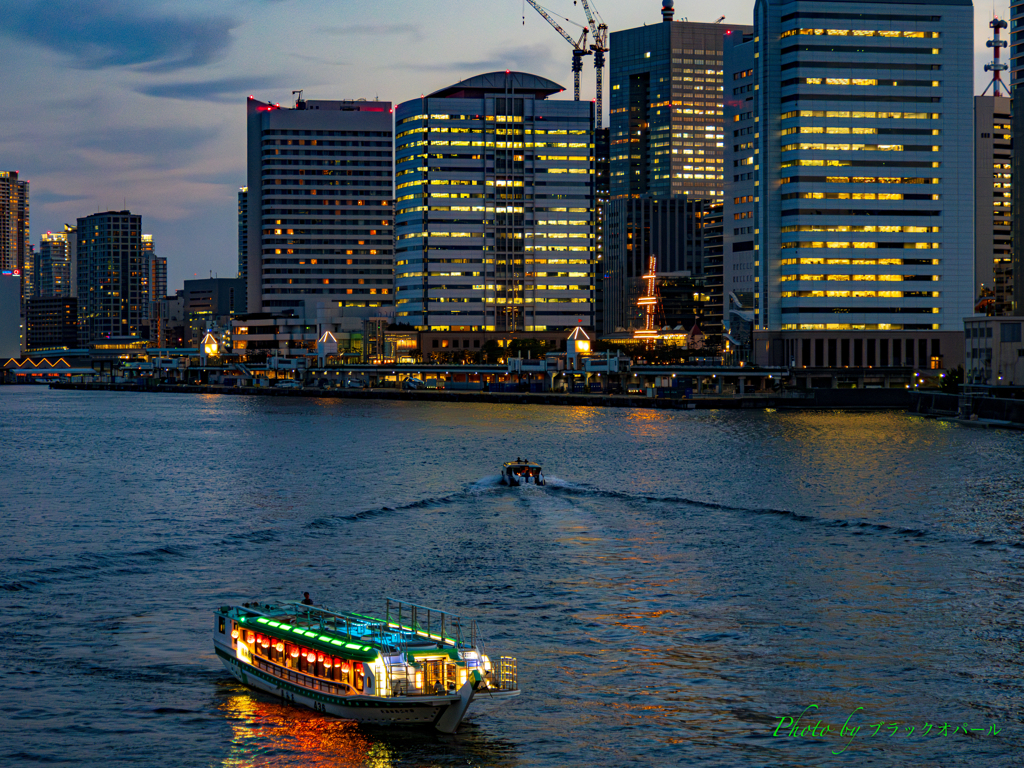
column 444, row 713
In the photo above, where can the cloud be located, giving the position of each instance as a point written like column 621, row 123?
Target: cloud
column 98, row 34
column 156, row 145
column 373, row 30
column 529, row 58
column 226, row 90
column 44, row 197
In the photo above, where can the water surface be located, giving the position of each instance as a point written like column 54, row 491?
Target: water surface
column 686, row 580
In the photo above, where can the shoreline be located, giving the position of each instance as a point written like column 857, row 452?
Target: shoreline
column 862, row 400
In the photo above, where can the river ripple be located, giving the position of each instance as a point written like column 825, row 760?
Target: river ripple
column 686, row 580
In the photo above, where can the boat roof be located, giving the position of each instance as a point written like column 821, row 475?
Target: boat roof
column 521, row 464
column 353, row 636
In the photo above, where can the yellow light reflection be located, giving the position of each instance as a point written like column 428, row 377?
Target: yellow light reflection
column 267, row 733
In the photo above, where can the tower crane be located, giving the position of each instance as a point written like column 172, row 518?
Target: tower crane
column 579, row 47
column 599, row 34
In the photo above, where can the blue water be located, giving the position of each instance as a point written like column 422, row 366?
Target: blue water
column 685, row 581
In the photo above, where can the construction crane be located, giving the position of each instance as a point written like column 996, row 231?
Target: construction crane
column 579, row 47
column 599, row 47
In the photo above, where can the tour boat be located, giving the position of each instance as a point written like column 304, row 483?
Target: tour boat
column 519, row 472
column 414, row 666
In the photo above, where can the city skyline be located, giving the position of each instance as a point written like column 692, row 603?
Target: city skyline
column 109, row 121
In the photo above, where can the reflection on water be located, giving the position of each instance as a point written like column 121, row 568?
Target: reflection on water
column 267, row 733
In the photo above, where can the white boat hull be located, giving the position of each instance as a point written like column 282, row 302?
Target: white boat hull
column 443, row 713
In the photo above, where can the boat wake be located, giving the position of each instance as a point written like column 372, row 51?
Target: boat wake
column 491, row 484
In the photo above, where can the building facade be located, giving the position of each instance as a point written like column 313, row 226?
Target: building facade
column 993, row 157
column 993, row 351
column 667, row 127
column 51, row 322
column 495, row 208
column 243, row 235
column 53, row 277
column 11, row 324
column 14, row 229
column 1017, row 121
column 319, row 216
column 113, row 276
column 636, row 229
column 862, row 167
column 212, row 302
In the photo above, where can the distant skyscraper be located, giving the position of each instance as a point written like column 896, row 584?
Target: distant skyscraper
column 992, row 192
column 243, row 235
column 666, row 108
column 495, row 189
column 54, row 278
column 320, row 222
column 14, row 224
column 113, row 294
column 851, row 170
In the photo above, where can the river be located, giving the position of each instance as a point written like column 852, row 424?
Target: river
column 685, row 582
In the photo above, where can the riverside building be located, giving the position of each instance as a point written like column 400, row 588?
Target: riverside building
column 14, row 229
column 113, row 277
column 666, row 108
column 1017, row 98
column 318, row 209
column 495, row 220
column 992, row 199
column 850, row 159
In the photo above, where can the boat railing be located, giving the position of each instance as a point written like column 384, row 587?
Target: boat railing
column 507, row 677
column 431, row 623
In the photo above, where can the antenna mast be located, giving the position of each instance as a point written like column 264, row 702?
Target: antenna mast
column 996, row 67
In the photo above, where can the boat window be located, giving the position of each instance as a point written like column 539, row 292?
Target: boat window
column 220, row 624
column 357, row 668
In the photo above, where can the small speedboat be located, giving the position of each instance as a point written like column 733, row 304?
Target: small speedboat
column 516, row 473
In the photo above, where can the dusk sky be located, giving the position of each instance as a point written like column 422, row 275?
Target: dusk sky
column 142, row 102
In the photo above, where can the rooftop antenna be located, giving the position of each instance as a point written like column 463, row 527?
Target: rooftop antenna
column 996, row 67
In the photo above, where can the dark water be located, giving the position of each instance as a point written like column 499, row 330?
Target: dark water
column 689, row 580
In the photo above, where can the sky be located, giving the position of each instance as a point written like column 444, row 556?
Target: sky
column 109, row 103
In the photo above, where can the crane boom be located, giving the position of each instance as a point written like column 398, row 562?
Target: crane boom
column 599, row 31
column 579, row 47
column 558, row 28
column 598, row 28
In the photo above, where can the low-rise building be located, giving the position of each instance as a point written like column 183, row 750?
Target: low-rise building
column 993, row 351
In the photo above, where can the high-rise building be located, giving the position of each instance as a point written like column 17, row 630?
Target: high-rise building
column 603, row 193
column 993, row 148
column 243, row 234
column 860, row 155
column 1017, row 99
column 113, row 290
column 495, row 222
column 11, row 323
column 666, row 108
column 320, row 221
column 54, row 265
column 637, row 228
column 14, row 228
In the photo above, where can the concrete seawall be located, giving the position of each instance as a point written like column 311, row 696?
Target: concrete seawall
column 868, row 399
